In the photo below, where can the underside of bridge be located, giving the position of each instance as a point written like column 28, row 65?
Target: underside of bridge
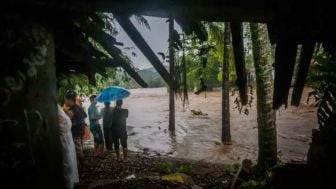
column 290, row 23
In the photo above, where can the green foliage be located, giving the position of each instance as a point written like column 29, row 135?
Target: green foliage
column 185, row 168
column 204, row 60
column 167, row 168
column 232, row 68
column 195, row 72
column 202, row 63
column 260, row 178
column 80, row 83
column 253, row 184
column 106, row 22
column 322, row 79
column 77, row 82
column 99, row 47
column 248, row 47
column 322, row 75
column 170, row 168
column 231, row 170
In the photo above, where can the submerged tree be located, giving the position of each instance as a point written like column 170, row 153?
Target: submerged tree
column 267, row 138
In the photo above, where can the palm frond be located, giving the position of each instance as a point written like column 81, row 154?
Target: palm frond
column 163, row 56
column 216, row 31
column 142, row 21
column 106, row 22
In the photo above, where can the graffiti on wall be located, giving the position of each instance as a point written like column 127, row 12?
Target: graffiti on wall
column 23, row 51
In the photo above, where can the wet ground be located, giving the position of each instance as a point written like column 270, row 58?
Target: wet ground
column 198, row 137
column 145, row 172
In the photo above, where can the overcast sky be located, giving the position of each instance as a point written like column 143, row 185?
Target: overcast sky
column 156, row 37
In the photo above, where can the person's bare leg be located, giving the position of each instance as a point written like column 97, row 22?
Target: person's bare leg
column 117, row 154
column 125, row 153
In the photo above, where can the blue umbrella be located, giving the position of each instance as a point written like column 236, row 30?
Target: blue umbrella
column 112, row 94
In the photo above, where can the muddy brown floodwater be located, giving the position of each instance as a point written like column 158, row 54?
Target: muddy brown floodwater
column 198, row 137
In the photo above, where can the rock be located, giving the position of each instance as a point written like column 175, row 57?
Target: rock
column 199, row 112
column 217, row 143
column 132, row 176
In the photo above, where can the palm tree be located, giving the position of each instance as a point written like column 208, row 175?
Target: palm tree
column 226, row 134
column 267, row 137
column 220, row 35
column 171, row 71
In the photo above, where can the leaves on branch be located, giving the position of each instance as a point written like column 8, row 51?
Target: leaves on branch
column 163, row 56
column 142, row 21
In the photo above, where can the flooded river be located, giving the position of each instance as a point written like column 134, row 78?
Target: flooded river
column 198, row 137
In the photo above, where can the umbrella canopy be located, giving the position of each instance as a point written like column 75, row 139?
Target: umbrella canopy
column 112, row 94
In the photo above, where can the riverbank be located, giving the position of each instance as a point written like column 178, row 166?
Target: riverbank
column 143, row 171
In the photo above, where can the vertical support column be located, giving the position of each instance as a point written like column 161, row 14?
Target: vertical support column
column 226, row 133
column 239, row 56
column 171, row 71
column 29, row 134
column 41, row 105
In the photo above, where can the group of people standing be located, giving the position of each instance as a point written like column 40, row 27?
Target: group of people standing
column 72, row 123
column 114, row 126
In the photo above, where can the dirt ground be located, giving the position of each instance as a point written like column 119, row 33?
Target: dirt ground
column 143, row 171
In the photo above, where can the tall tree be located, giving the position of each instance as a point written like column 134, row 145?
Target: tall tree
column 171, row 71
column 267, row 138
column 184, row 74
column 226, row 133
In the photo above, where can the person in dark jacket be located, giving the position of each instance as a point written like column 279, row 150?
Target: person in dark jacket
column 107, row 113
column 119, row 133
column 77, row 116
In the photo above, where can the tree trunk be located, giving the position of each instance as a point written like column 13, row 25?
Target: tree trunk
column 267, row 137
column 29, row 131
column 226, row 133
column 184, row 77
column 171, row 71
